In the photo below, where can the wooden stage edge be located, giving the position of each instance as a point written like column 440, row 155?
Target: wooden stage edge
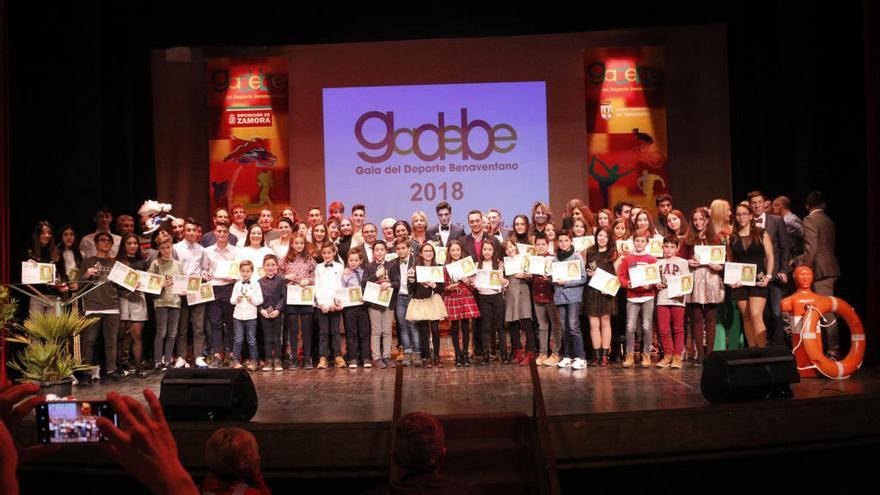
column 336, row 423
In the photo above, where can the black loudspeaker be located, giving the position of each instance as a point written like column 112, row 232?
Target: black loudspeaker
column 193, row 394
column 749, row 374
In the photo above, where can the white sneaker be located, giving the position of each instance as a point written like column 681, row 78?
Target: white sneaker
column 579, row 364
column 181, row 363
column 565, row 363
column 200, row 362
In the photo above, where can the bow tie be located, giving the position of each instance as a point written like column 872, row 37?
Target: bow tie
column 402, row 261
column 328, row 265
column 444, row 227
column 246, row 281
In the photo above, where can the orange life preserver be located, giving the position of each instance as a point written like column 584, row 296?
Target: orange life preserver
column 811, row 337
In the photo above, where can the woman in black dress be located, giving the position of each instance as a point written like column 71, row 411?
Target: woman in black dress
column 751, row 244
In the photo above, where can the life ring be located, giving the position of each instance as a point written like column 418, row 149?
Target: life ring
column 811, row 338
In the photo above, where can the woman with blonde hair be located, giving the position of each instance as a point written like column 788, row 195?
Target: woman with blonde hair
column 419, row 222
column 719, row 218
column 233, row 459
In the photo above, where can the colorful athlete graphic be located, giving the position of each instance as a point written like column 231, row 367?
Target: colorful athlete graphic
column 251, row 151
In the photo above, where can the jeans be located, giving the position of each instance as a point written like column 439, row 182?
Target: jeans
column 545, row 313
column 166, row 334
column 239, row 328
column 632, row 321
column 569, row 315
column 108, row 324
column 220, row 319
column 406, row 330
column 196, row 314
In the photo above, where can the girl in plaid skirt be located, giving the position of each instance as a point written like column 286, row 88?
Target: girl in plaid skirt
column 460, row 305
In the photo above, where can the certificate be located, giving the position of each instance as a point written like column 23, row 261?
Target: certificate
column 710, row 254
column 151, row 283
column 566, row 271
column 390, row 256
column 227, row 270
column 642, row 275
column 655, row 246
column 605, row 282
column 184, row 284
column 462, row 268
column 376, row 295
column 439, row 255
column 300, row 296
column 203, row 295
column 124, row 275
column 489, row 279
column 540, row 265
column 350, row 296
column 742, row 273
column 429, row 274
column 37, row 273
column 515, row 264
column 583, row 243
column 624, row 246
column 680, row 285
column 526, row 249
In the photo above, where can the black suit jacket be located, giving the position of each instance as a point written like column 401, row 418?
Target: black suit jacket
column 775, row 227
column 397, row 278
column 433, row 233
column 370, row 276
column 471, row 250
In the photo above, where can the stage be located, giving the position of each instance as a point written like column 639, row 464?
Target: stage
column 335, row 424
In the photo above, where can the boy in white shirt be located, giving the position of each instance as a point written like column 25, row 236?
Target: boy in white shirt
column 246, row 296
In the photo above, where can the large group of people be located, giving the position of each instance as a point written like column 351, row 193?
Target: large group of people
column 252, row 263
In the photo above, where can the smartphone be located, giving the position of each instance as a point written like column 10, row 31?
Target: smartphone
column 72, row 422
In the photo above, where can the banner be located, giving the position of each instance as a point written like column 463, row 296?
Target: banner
column 626, row 125
column 247, row 140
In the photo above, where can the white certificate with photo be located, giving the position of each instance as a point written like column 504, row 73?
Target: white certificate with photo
column 605, row 282
column 184, row 284
column 227, row 270
column 124, row 275
column 624, row 246
column 151, row 283
column 374, row 293
column 526, row 249
column 429, row 274
column 710, row 254
column 566, row 271
column 203, row 295
column 439, row 255
column 37, row 273
column 489, row 279
column 741, row 273
column 515, row 264
column 300, row 296
column 540, row 265
column 350, row 296
column 655, row 246
column 462, row 268
column 583, row 243
column 680, row 285
column 642, row 275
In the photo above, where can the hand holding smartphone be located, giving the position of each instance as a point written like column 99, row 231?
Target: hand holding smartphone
column 72, row 422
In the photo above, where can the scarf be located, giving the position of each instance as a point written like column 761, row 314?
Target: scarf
column 562, row 255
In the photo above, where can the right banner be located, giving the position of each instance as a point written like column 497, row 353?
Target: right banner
column 626, row 125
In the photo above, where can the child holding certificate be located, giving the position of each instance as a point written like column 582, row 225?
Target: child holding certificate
column 518, row 312
column 246, row 296
column 132, row 308
column 298, row 268
column 752, row 244
column 461, row 306
column 639, row 300
column 549, row 333
column 426, row 307
column 600, row 306
column 567, row 298
column 356, row 318
column 274, row 290
column 490, row 302
column 167, row 305
column 328, row 278
column 381, row 317
column 671, row 309
column 708, row 289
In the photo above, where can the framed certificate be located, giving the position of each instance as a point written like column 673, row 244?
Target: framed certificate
column 624, row 246
column 605, row 282
column 515, row 264
column 151, row 283
column 227, row 270
column 125, row 276
column 655, row 246
column 566, row 271
column 489, row 279
column 680, row 285
column 350, row 296
column 742, row 273
column 710, row 254
column 540, row 265
column 300, row 296
column 374, row 293
column 37, row 273
column 642, row 275
column 429, row 274
column 203, row 295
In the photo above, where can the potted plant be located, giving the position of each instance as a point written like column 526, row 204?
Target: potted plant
column 46, row 358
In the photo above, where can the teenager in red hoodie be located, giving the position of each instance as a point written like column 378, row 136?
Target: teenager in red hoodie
column 639, row 300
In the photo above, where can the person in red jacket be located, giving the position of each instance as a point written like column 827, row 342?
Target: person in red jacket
column 639, row 300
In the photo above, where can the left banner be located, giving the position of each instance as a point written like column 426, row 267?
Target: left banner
column 247, row 143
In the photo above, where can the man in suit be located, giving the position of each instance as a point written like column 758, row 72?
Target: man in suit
column 819, row 238
column 496, row 226
column 398, row 275
column 775, row 228
column 444, row 231
column 473, row 242
column 210, row 238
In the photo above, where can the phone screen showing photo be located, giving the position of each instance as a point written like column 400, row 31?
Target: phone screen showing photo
column 72, row 422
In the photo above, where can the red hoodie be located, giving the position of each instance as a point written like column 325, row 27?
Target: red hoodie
column 631, row 260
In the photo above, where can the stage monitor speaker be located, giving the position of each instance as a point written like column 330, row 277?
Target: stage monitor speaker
column 749, row 374
column 193, row 394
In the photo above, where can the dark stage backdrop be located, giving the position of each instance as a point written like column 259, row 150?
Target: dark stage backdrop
column 696, row 87
column 82, row 117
